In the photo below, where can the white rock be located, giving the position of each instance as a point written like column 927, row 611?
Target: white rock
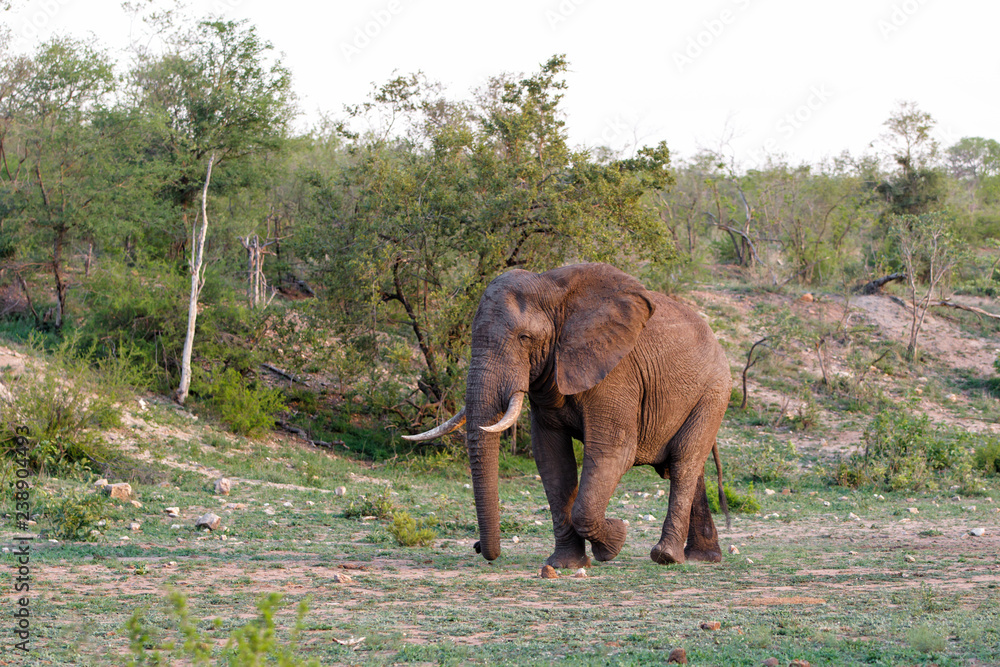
column 172, row 511
column 649, row 517
column 342, row 578
column 977, row 532
column 208, row 520
column 970, row 508
column 733, row 550
column 660, row 493
column 515, row 539
column 853, row 517
column 843, row 498
column 913, row 510
column 581, row 573
column 176, row 526
column 310, row 503
column 769, row 492
column 826, row 503
column 223, row 486
column 101, row 483
column 286, row 504
column 909, row 559
column 340, row 490
column 134, row 526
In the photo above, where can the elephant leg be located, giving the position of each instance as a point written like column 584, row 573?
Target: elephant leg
column 603, row 467
column 703, row 538
column 553, row 452
column 688, row 506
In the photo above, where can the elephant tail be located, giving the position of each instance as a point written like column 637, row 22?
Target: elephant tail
column 723, row 503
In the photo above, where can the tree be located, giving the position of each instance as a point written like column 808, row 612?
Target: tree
column 438, row 197
column 215, row 97
column 927, row 250
column 53, row 159
column 917, row 187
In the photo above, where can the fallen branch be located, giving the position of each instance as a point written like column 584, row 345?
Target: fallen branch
column 971, row 309
column 305, row 436
column 875, row 286
column 284, row 374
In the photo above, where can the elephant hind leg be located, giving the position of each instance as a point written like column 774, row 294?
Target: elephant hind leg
column 703, row 538
column 688, row 516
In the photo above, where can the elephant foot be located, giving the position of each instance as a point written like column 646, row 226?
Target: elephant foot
column 665, row 555
column 564, row 560
column 613, row 542
column 704, row 555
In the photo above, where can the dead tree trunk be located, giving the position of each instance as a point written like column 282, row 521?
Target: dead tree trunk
column 197, row 268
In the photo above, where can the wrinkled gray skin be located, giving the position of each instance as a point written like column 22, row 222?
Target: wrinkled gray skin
column 636, row 376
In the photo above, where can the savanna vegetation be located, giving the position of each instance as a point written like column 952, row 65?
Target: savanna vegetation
column 168, row 236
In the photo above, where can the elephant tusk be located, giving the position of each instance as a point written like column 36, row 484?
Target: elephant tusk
column 451, row 425
column 510, row 417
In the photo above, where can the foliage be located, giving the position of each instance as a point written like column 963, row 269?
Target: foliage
column 246, row 407
column 250, row 645
column 378, row 505
column 63, row 405
column 412, row 533
column 742, row 503
column 769, row 460
column 73, row 514
column 987, row 456
column 903, row 451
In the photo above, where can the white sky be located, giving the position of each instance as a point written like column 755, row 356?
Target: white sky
column 687, row 72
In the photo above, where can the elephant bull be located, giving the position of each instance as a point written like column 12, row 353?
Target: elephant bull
column 637, row 377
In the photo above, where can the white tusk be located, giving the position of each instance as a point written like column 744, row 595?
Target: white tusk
column 451, row 425
column 510, row 417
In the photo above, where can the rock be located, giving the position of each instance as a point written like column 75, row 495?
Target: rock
column 913, row 510
column 771, row 662
column 269, row 511
column 172, row 511
column 342, row 578
column 660, row 493
column 310, row 503
column 909, row 559
column 101, row 483
column 843, row 498
column 649, row 517
column 136, row 504
column 581, row 573
column 969, row 508
column 711, row 625
column 951, row 398
column 119, row 491
column 799, row 663
column 549, row 572
column 769, row 492
column 786, row 491
column 340, row 490
column 733, row 550
column 853, row 517
column 852, row 553
column 235, row 506
column 208, row 520
column 977, row 532
column 286, row 504
column 134, row 526
column 678, row 656
column 515, row 539
column 223, row 486
column 826, row 503
column 806, row 298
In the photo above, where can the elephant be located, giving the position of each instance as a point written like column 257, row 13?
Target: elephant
column 638, row 377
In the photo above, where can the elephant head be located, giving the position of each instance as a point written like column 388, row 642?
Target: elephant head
column 550, row 335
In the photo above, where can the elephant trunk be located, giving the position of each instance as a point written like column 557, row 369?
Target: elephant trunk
column 491, row 404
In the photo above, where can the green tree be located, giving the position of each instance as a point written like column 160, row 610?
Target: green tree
column 53, row 163
column 439, row 197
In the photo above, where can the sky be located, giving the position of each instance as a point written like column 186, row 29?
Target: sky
column 798, row 78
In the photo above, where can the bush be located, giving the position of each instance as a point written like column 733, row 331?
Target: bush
column 62, row 404
column 248, row 646
column 412, row 533
column 771, row 460
column 73, row 515
column 245, row 407
column 987, row 457
column 904, row 452
column 379, row 506
column 743, row 503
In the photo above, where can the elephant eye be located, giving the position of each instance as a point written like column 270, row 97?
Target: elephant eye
column 524, row 338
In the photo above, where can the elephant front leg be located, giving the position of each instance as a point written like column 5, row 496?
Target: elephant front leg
column 553, row 452
column 603, row 468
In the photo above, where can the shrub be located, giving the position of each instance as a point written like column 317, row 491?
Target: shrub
column 905, row 452
column 73, row 515
column 379, row 506
column 248, row 646
column 412, row 533
column 987, row 457
column 743, row 503
column 768, row 461
column 245, row 407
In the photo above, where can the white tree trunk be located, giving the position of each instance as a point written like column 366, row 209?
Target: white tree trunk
column 197, row 267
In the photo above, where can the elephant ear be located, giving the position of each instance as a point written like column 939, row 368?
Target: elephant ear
column 603, row 317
